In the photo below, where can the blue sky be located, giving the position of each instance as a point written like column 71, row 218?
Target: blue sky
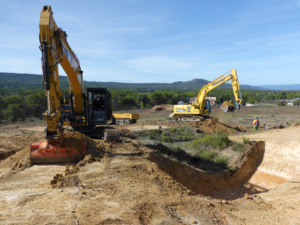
column 161, row 41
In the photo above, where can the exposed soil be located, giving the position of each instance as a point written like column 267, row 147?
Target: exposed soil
column 212, row 125
column 128, row 183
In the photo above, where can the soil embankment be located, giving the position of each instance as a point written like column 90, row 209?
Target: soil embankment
column 130, row 184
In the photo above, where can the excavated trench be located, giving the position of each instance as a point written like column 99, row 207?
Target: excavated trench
column 263, row 167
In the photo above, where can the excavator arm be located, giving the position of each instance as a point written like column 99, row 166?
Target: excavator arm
column 199, row 102
column 236, row 89
column 56, row 50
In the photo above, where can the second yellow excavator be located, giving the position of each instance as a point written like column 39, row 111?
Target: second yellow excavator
column 201, row 106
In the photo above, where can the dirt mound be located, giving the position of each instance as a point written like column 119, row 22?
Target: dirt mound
column 168, row 107
column 227, row 106
column 104, row 149
column 22, row 160
column 17, row 160
column 76, row 140
column 15, row 163
column 11, row 145
column 69, row 178
column 60, row 181
column 94, row 147
column 212, row 125
column 6, row 153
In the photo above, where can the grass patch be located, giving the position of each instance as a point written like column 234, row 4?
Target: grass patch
column 246, row 140
column 238, row 147
column 206, row 154
column 218, row 140
column 202, row 152
column 203, row 160
column 221, row 160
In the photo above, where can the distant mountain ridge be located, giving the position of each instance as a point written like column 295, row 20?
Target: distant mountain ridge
column 288, row 87
column 33, row 81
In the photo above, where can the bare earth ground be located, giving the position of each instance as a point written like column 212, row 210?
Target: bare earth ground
column 131, row 184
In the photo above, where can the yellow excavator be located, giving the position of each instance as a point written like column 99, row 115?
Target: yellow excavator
column 201, row 105
column 78, row 109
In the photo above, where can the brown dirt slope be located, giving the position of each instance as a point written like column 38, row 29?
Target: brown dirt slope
column 212, row 125
column 130, row 184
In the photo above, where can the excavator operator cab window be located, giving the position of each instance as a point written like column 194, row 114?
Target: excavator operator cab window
column 207, row 106
column 96, row 104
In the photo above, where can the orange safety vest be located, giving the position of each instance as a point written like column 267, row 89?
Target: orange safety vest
column 255, row 122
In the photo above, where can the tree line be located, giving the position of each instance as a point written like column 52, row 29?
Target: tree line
column 16, row 107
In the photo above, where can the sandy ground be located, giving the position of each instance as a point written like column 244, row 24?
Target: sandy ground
column 131, row 184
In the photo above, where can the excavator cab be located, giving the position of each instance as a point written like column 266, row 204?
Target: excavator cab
column 98, row 106
column 98, row 111
column 207, row 106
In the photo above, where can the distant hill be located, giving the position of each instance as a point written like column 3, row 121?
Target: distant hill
column 32, row 81
column 289, row 87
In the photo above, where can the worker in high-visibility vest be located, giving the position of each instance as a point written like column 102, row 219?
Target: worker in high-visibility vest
column 255, row 123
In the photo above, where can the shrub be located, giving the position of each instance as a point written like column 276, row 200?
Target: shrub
column 207, row 160
column 178, row 134
column 205, row 154
column 222, row 160
column 246, row 140
column 218, row 141
column 14, row 113
column 297, row 102
column 151, row 134
column 280, row 103
column 238, row 147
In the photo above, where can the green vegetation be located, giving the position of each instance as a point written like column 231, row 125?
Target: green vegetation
column 26, row 91
column 204, row 151
column 215, row 163
column 280, row 103
column 175, row 134
column 206, row 154
column 17, row 108
column 246, row 140
column 297, row 102
column 218, row 141
column 238, row 147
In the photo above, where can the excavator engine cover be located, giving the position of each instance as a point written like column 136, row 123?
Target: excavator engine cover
column 51, row 152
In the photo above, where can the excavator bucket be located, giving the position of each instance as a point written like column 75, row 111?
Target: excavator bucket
column 52, row 152
column 227, row 106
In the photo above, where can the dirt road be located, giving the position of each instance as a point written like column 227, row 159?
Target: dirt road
column 131, row 184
